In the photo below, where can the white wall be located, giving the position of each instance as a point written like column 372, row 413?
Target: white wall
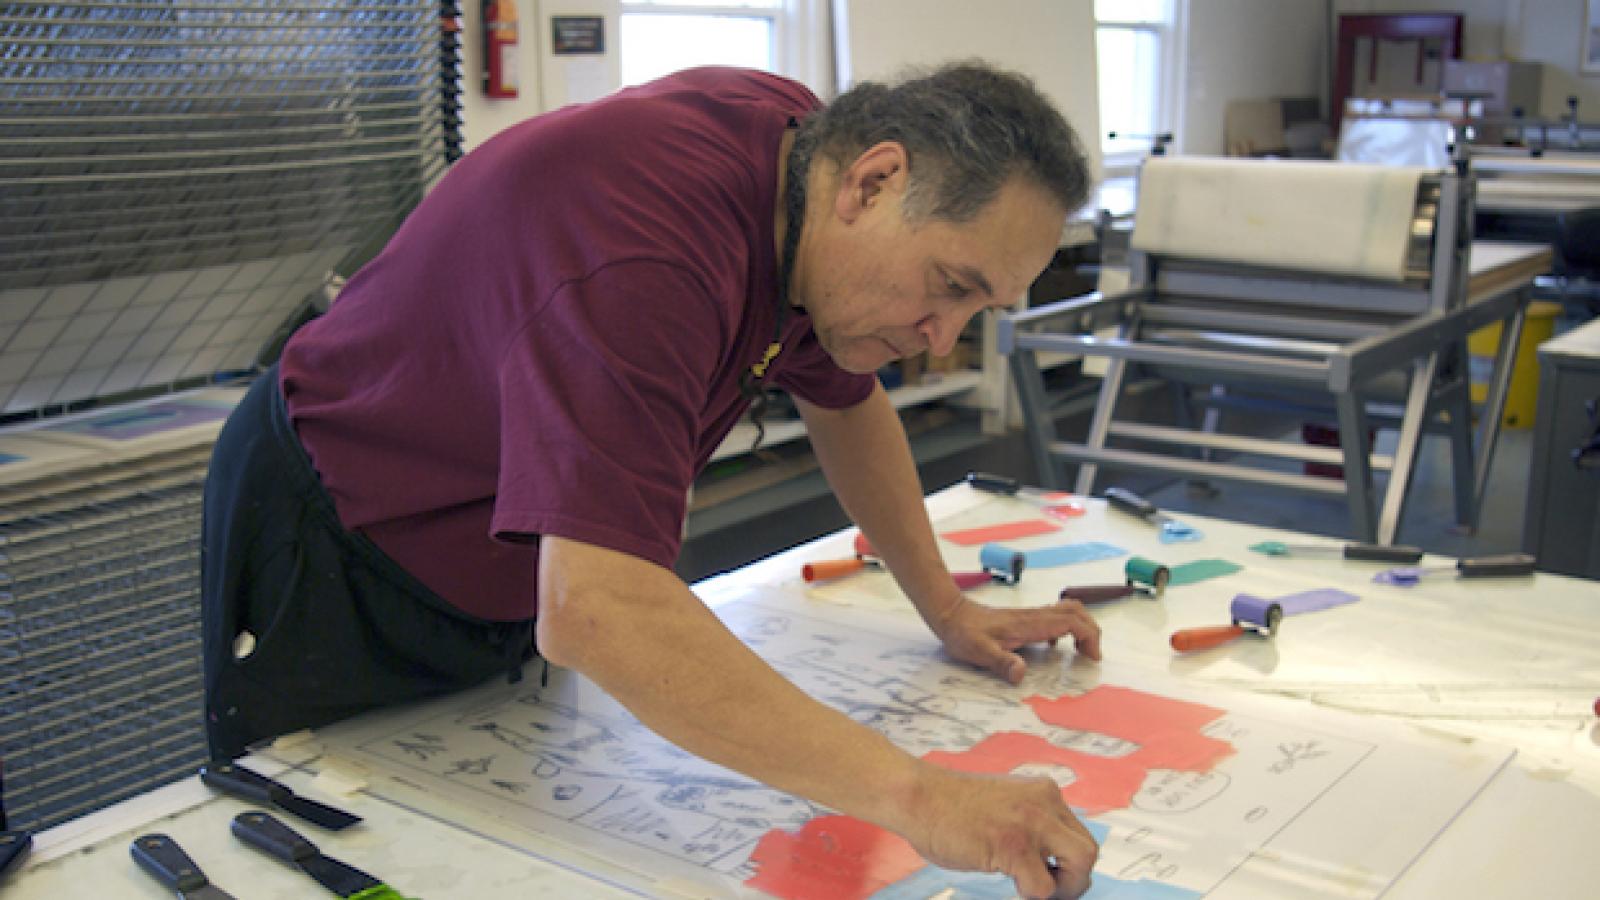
column 1245, row 50
column 550, row 81
column 481, row 116
column 1051, row 41
column 547, row 81
column 1551, row 32
column 582, row 77
column 1542, row 31
column 1235, row 49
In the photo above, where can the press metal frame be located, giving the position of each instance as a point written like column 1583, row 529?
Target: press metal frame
column 1324, row 339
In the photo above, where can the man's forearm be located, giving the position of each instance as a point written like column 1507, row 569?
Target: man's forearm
column 864, row 452
column 639, row 633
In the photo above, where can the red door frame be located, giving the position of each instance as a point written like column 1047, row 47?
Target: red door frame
column 1391, row 26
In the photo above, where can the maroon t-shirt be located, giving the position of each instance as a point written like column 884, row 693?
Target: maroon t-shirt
column 552, row 342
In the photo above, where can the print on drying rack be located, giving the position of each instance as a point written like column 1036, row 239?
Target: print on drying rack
column 1185, row 794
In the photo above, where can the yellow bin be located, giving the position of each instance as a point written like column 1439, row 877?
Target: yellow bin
column 1523, row 397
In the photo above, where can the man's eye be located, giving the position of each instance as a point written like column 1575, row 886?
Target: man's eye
column 956, row 289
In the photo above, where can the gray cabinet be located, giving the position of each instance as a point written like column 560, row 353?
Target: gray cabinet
column 1562, row 527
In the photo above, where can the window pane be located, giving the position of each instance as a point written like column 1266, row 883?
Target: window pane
column 748, row 4
column 1129, row 64
column 654, row 44
column 1149, row 11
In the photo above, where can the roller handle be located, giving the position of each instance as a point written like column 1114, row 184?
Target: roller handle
column 167, row 863
column 1191, row 639
column 1129, row 502
column 1496, row 566
column 13, row 845
column 993, row 484
column 969, row 580
column 830, row 568
column 1096, row 593
column 863, row 547
column 1382, row 553
column 237, row 780
column 263, row 832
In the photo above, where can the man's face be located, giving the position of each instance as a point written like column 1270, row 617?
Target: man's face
column 880, row 289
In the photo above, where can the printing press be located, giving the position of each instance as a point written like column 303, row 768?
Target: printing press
column 1305, row 289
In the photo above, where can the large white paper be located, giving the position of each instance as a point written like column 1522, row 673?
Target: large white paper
column 1306, row 804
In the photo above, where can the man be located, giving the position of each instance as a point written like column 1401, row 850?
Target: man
column 490, row 436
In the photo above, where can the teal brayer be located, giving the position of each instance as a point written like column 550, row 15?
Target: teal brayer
column 1141, row 576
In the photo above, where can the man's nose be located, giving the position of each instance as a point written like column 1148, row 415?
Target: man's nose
column 940, row 332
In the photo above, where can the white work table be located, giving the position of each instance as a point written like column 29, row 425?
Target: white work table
column 1510, row 663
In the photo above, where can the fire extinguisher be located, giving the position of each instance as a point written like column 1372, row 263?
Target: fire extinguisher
column 499, row 48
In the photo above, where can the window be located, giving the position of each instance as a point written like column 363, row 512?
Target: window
column 662, row 36
column 1133, row 41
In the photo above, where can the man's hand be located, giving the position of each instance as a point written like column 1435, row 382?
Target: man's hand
column 639, row 633
column 987, row 637
column 1000, row 823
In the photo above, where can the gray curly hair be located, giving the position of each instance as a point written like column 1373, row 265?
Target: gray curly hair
column 967, row 128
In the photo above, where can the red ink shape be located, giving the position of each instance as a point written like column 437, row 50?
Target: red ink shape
column 1100, row 784
column 831, row 858
column 972, row 537
column 841, row 857
column 1069, row 510
column 1167, row 733
column 1166, row 729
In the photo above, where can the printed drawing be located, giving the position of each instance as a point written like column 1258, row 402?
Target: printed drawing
column 1187, row 798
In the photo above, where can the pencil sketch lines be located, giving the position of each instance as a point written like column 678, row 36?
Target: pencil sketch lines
column 1295, row 752
column 421, row 746
column 1190, row 790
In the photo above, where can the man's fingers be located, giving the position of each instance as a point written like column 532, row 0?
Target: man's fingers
column 1015, row 669
column 1084, row 629
column 1074, row 852
column 1035, row 879
column 1070, row 883
column 1066, row 873
column 1006, row 665
column 989, row 636
column 1051, row 623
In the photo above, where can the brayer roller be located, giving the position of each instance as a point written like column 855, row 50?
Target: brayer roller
column 822, row 570
column 1251, row 615
column 1145, row 577
column 999, row 565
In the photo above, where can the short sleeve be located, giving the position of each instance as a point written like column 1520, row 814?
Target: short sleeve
column 811, row 374
column 601, row 393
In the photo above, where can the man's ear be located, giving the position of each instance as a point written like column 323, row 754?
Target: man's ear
column 879, row 172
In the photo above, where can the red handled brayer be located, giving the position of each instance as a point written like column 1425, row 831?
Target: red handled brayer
column 1144, row 577
column 1251, row 615
column 838, row 568
column 999, row 565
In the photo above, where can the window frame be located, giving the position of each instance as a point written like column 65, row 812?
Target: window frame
column 778, row 15
column 1168, row 37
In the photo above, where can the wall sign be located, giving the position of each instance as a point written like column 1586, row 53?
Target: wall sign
column 571, row 35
